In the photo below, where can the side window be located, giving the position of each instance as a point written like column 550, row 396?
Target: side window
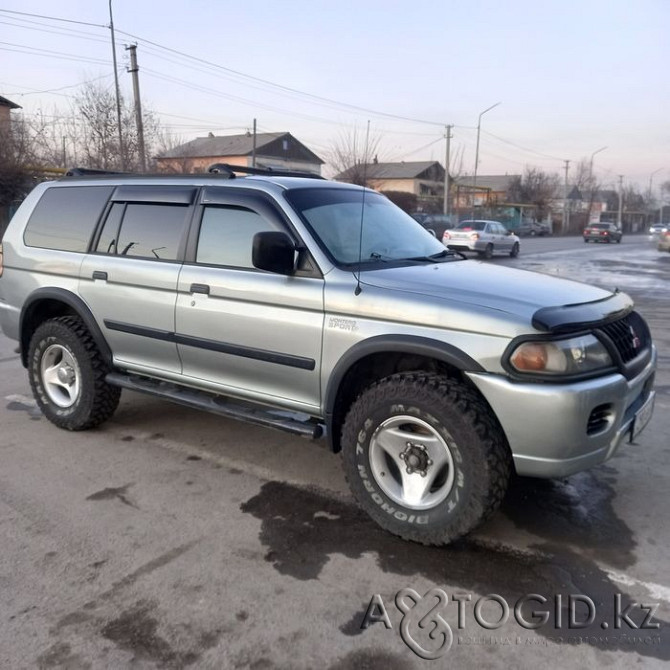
column 110, row 231
column 65, row 217
column 146, row 230
column 226, row 236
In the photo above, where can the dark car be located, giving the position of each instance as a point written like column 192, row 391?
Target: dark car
column 602, row 232
column 435, row 224
column 532, row 229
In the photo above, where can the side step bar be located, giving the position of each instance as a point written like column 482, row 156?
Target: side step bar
column 291, row 422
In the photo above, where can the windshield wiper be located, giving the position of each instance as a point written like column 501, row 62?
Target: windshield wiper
column 435, row 257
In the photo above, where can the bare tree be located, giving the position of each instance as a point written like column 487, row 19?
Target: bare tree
column 353, row 155
column 534, row 187
column 16, row 160
column 98, row 136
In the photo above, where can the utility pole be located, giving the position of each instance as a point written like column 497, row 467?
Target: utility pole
column 446, row 171
column 118, row 94
column 619, row 216
column 138, row 105
column 253, row 150
column 566, row 213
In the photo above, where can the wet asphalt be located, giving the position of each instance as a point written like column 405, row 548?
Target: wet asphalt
column 169, row 538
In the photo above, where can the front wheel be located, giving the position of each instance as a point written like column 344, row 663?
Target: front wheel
column 425, row 457
column 67, row 375
column 515, row 250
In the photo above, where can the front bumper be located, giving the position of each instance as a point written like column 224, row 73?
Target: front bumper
column 547, row 425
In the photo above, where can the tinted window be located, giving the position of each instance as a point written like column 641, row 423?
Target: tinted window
column 226, row 236
column 110, row 231
column 65, row 217
column 151, row 231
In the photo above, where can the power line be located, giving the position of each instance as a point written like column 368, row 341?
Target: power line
column 280, row 86
column 53, row 18
column 33, row 51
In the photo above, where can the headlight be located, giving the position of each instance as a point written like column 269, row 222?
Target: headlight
column 573, row 356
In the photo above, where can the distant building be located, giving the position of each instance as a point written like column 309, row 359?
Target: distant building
column 273, row 150
column 490, row 190
column 6, row 106
column 425, row 179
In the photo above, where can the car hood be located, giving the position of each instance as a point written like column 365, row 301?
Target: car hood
column 517, row 292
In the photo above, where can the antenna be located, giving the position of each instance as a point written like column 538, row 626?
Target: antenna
column 358, row 289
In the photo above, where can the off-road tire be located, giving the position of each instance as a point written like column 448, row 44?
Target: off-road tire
column 96, row 400
column 457, row 414
column 515, row 250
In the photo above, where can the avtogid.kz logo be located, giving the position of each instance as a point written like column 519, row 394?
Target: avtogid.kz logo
column 426, row 631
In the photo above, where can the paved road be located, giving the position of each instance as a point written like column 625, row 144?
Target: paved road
column 171, row 538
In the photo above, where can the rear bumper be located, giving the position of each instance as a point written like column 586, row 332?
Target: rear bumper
column 547, row 425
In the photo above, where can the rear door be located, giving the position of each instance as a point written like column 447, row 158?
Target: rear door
column 129, row 281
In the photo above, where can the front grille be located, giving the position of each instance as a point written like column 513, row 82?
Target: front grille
column 629, row 335
column 599, row 420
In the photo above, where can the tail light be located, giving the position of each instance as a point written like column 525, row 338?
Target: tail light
column 474, row 236
column 446, row 236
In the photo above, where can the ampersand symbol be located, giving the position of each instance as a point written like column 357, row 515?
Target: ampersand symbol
column 415, row 614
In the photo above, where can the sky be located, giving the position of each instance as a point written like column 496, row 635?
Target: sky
column 571, row 76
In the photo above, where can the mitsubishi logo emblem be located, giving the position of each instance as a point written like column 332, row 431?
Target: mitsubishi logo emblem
column 636, row 340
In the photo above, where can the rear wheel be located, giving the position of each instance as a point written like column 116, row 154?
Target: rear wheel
column 425, row 457
column 586, row 239
column 67, row 375
column 488, row 252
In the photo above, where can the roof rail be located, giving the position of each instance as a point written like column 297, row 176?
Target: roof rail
column 230, row 170
column 83, row 172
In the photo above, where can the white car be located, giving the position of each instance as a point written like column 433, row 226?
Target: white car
column 484, row 237
column 658, row 228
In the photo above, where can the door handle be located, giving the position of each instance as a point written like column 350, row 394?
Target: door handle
column 200, row 288
column 98, row 274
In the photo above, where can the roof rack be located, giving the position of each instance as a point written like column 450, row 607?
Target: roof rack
column 222, row 170
column 230, row 170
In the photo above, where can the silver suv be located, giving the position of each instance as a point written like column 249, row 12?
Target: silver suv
column 319, row 307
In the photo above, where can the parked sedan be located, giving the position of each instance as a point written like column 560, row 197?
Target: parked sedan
column 602, row 232
column 484, row 237
column 664, row 240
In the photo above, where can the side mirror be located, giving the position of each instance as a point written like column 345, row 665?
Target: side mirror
column 274, row 252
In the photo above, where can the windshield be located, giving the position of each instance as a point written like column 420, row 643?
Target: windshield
column 388, row 234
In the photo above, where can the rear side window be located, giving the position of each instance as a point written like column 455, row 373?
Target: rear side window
column 145, row 231
column 65, row 217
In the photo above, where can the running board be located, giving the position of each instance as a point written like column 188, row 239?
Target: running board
column 291, row 422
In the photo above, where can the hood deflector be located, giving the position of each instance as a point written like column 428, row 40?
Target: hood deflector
column 566, row 318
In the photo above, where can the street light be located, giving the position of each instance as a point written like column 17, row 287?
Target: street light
column 651, row 179
column 591, row 163
column 479, row 127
